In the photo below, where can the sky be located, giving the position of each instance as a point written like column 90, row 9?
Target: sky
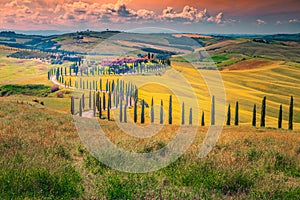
column 199, row 16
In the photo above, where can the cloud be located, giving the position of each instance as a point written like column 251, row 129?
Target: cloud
column 294, row 21
column 192, row 15
column 260, row 22
column 88, row 13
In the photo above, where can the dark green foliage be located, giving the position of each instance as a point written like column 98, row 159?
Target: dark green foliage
column 182, row 114
column 152, row 111
column 228, row 116
column 291, row 113
column 72, row 105
column 191, row 117
column 83, row 101
column 143, row 113
column 125, row 113
column 94, row 104
column 80, row 107
column 213, row 111
column 161, row 114
column 254, row 116
column 100, row 107
column 203, row 119
column 121, row 110
column 101, row 88
column 170, row 110
column 236, row 119
column 90, row 99
column 107, row 86
column 108, row 106
column 263, row 113
column 280, row 117
column 135, row 111
column 31, row 90
column 40, row 183
column 104, row 101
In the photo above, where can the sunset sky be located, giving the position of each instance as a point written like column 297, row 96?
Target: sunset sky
column 202, row 16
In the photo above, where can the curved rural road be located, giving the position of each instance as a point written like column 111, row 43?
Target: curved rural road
column 85, row 114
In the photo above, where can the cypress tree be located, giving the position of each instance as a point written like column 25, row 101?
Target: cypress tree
column 121, row 109
column 191, row 116
column 72, row 105
column 236, row 120
column 182, row 114
column 83, row 102
column 170, row 110
column 108, row 106
column 213, row 111
column 143, row 112
column 152, row 111
column 80, row 107
column 291, row 113
column 100, row 108
column 161, row 120
column 228, row 116
column 106, row 88
column 90, row 99
column 104, row 101
column 94, row 105
column 263, row 113
column 125, row 113
column 135, row 111
column 280, row 117
column 254, row 116
column 101, row 88
column 202, row 119
column 97, row 100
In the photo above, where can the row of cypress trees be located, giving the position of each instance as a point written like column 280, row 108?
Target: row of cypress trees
column 123, row 111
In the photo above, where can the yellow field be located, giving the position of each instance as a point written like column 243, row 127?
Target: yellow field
column 275, row 80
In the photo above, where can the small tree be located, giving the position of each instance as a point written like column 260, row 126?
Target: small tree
column 291, row 113
column 143, row 113
column 228, row 116
column 182, row 114
column 108, row 106
column 90, row 99
column 72, row 105
column 213, row 111
column 83, row 102
column 161, row 119
column 80, row 108
column 101, row 87
column 280, row 117
column 152, row 111
column 94, row 105
column 263, row 113
column 100, row 108
column 135, row 111
column 236, row 120
column 203, row 119
column 121, row 110
column 125, row 113
column 254, row 116
column 104, row 101
column 191, row 116
column 170, row 110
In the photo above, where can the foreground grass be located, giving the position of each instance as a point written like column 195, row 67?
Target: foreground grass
column 41, row 156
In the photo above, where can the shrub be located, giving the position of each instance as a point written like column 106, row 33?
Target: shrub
column 54, row 88
column 60, row 95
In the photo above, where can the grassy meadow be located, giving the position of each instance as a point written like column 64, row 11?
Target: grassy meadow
column 42, row 157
